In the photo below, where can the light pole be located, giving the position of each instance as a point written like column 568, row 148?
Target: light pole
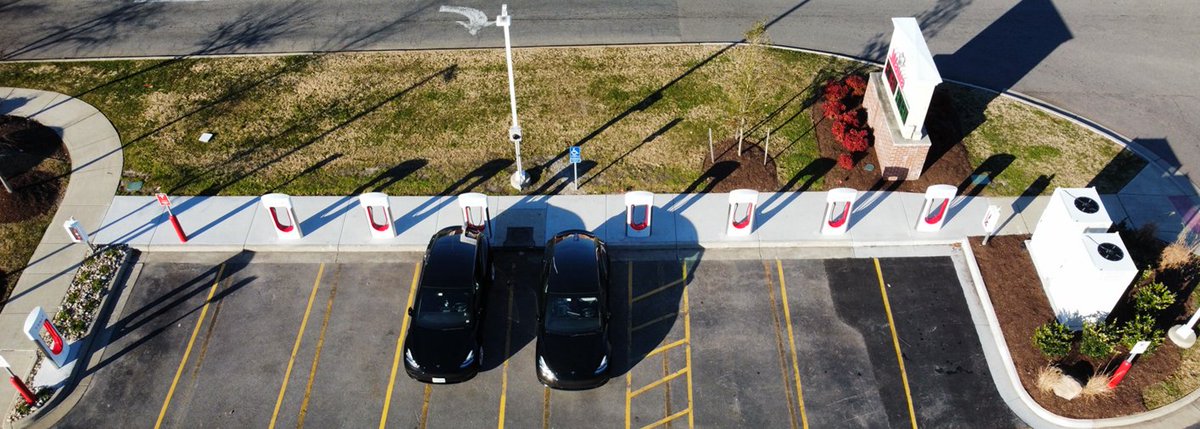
column 519, row 179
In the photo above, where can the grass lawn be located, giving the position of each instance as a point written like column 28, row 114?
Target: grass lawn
column 434, row 122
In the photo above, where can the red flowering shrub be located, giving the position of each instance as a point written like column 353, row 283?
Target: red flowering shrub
column 850, row 118
column 832, row 109
column 857, row 84
column 835, row 91
column 839, row 131
column 845, row 161
column 855, row 140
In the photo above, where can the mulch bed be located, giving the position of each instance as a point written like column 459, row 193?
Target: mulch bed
column 947, row 162
column 731, row 171
column 24, row 145
column 1021, row 306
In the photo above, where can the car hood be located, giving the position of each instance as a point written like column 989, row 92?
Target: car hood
column 440, row 351
column 572, row 356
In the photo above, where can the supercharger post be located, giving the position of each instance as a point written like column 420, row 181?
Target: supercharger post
column 56, row 349
column 476, row 215
column 519, row 179
column 839, row 203
column 19, row 384
column 379, row 214
column 165, row 202
column 741, row 201
column 638, row 202
column 991, row 219
column 1119, row 374
column 77, row 233
column 283, row 217
column 937, row 203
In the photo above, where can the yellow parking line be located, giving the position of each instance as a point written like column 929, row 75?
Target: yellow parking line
column 670, row 346
column 687, row 335
column 787, row 314
column 424, row 419
column 162, row 412
column 387, row 399
column 296, row 346
column 659, row 382
column 312, row 372
column 912, row 415
column 668, row 419
column 546, row 408
column 628, row 344
column 507, row 350
column 777, row 322
column 667, row 316
column 657, row 290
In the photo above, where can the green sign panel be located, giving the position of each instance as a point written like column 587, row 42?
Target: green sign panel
column 901, row 107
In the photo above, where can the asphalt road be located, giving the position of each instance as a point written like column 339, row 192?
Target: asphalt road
column 1126, row 65
column 713, row 339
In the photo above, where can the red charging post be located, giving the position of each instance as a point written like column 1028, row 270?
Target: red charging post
column 165, row 201
column 1119, row 375
column 19, row 384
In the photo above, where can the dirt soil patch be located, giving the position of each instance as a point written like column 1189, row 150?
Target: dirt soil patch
column 1021, row 307
column 731, row 171
column 24, row 146
column 947, row 163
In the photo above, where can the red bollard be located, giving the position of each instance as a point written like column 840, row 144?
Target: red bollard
column 1120, row 374
column 178, row 228
column 25, row 392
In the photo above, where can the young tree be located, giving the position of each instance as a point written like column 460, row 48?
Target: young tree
column 750, row 63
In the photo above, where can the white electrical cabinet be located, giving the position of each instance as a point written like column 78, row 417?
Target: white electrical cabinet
column 1071, row 212
column 1094, row 273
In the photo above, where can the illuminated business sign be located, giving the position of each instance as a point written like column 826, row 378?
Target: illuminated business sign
column 910, row 76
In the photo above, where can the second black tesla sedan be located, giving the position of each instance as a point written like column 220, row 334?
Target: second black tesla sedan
column 443, row 343
column 572, row 337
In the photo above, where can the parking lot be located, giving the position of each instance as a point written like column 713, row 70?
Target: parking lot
column 708, row 339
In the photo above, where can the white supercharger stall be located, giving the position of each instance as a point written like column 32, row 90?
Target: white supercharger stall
column 639, row 209
column 283, row 217
column 379, row 214
column 937, row 204
column 1096, row 269
column 476, row 215
column 741, row 212
column 839, row 203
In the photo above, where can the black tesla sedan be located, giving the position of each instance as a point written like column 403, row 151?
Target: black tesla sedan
column 572, row 337
column 445, row 334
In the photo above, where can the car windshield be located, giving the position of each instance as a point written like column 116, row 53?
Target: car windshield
column 572, row 315
column 443, row 309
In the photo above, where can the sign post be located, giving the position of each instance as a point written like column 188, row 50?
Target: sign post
column 990, row 220
column 1119, row 375
column 165, row 201
column 576, row 157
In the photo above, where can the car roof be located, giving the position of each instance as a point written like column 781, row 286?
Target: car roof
column 574, row 264
column 450, row 260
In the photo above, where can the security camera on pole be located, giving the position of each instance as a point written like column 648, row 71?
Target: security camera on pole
column 519, row 179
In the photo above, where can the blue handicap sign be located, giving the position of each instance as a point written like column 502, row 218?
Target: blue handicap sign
column 576, row 154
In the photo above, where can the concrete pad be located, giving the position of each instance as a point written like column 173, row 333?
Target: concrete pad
column 89, row 216
column 1010, row 222
column 357, row 235
column 792, row 217
column 211, row 223
column 833, row 252
column 92, row 187
column 519, row 222
column 879, row 217
column 51, row 258
column 565, row 212
column 1116, row 210
column 1156, row 209
column 5, row 91
column 95, row 151
column 27, row 102
column 662, row 225
column 41, row 289
column 964, row 218
column 1031, row 210
column 320, row 220
column 67, row 112
column 1154, row 181
column 416, row 218
column 21, row 360
column 130, row 220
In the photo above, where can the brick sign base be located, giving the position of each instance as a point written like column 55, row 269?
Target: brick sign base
column 899, row 158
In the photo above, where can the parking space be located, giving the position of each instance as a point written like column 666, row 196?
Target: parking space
column 713, row 339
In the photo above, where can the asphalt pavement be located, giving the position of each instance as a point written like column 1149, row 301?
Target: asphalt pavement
column 1124, row 65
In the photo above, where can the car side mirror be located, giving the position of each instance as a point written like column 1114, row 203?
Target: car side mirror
column 410, row 312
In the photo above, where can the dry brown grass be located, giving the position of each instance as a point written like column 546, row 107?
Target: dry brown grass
column 1097, row 387
column 1048, row 377
column 1176, row 255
